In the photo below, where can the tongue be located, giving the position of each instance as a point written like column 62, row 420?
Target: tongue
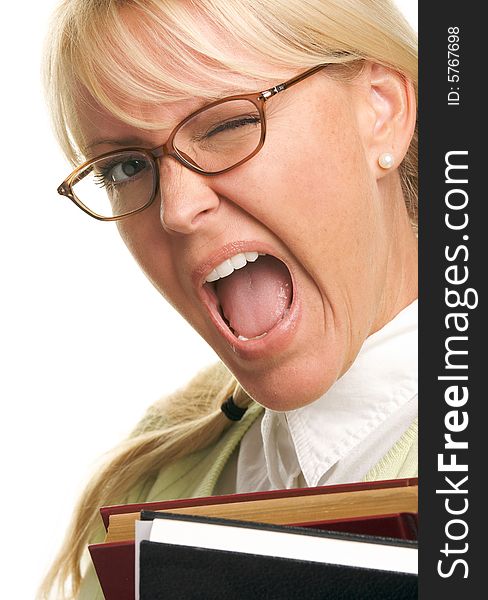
column 254, row 298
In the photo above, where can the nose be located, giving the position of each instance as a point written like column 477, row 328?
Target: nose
column 187, row 198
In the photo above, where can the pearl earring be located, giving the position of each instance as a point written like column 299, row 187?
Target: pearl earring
column 386, row 160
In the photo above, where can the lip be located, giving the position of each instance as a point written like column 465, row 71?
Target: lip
column 279, row 335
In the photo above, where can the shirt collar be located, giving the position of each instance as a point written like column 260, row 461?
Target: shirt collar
column 382, row 379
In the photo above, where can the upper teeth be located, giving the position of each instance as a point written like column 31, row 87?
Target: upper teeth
column 229, row 265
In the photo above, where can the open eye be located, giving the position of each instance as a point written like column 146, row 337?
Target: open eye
column 119, row 170
column 117, row 183
column 122, row 171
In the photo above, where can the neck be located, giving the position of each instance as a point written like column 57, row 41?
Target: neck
column 401, row 273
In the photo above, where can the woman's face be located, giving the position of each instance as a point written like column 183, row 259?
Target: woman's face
column 313, row 202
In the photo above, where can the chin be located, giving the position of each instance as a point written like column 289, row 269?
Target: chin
column 287, row 387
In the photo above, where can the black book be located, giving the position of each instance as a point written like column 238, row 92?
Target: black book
column 203, row 558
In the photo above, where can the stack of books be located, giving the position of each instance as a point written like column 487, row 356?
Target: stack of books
column 351, row 541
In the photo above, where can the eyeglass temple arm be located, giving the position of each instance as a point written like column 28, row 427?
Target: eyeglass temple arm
column 284, row 86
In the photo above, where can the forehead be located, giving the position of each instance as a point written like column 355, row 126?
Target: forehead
column 139, row 121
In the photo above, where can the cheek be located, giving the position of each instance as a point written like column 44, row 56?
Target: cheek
column 142, row 236
column 138, row 234
column 319, row 194
column 158, row 259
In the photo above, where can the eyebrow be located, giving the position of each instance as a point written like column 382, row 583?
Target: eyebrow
column 122, row 142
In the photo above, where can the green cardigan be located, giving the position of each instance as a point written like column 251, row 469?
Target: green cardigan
column 197, row 475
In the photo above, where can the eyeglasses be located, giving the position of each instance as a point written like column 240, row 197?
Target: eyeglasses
column 212, row 140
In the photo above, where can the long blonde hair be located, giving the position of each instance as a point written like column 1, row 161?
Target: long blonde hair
column 164, row 55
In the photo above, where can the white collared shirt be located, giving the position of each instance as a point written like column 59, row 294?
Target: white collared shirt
column 342, row 435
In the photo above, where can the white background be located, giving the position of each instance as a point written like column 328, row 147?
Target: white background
column 86, row 344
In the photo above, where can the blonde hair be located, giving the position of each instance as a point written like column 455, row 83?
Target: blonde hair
column 96, row 50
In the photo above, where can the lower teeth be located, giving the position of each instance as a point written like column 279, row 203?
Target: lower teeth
column 258, row 337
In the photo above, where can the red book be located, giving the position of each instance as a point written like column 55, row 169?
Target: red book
column 379, row 508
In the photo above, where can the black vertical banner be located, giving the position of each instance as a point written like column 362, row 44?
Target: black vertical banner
column 453, row 331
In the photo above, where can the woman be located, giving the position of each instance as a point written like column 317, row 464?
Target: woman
column 259, row 160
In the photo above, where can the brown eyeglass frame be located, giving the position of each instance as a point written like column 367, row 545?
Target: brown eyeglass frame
column 168, row 149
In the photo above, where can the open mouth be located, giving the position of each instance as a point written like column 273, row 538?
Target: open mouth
column 251, row 293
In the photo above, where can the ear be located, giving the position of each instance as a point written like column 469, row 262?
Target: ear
column 387, row 115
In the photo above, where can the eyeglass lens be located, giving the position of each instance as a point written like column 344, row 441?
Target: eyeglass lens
column 212, row 140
